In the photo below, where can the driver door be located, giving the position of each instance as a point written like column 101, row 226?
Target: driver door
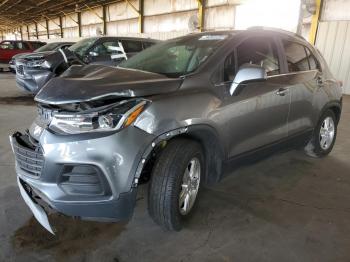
column 258, row 114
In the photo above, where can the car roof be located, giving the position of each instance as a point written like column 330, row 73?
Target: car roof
column 124, row 38
column 249, row 31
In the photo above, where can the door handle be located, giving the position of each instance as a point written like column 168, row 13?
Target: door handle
column 282, row 91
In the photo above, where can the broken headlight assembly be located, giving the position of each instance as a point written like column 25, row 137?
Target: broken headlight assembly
column 107, row 118
column 38, row 63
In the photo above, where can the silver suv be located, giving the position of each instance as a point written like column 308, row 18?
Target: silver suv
column 175, row 115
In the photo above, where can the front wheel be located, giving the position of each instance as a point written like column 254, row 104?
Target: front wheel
column 323, row 139
column 175, row 183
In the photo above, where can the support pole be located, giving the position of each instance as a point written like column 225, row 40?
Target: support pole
column 104, row 18
column 140, row 19
column 21, row 31
column 201, row 14
column 139, row 11
column 47, row 29
column 36, row 30
column 61, row 26
column 28, row 32
column 79, row 23
column 314, row 22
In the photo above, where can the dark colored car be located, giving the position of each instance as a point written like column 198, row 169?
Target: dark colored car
column 9, row 48
column 176, row 114
column 33, row 72
column 43, row 49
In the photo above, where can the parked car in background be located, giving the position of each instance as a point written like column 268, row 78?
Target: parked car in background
column 9, row 48
column 45, row 48
column 177, row 115
column 34, row 71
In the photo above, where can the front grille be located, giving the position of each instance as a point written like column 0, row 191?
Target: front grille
column 29, row 157
column 20, row 70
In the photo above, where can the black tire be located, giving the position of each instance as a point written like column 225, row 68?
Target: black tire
column 166, row 181
column 313, row 148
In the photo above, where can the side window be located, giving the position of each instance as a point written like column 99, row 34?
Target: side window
column 296, row 56
column 106, row 48
column 314, row 64
column 63, row 47
column 229, row 67
column 22, row 46
column 7, row 45
column 132, row 46
column 258, row 51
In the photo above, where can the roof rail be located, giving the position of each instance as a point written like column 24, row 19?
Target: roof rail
column 275, row 30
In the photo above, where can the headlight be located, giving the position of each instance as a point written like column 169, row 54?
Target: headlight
column 107, row 118
column 36, row 63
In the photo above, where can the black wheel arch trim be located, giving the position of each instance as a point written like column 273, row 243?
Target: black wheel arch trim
column 206, row 135
column 331, row 104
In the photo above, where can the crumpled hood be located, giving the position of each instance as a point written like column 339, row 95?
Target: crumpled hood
column 33, row 56
column 91, row 82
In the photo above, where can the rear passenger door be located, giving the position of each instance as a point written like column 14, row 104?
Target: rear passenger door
column 303, row 79
column 258, row 114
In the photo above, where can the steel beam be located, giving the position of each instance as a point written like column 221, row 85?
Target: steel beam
column 79, row 23
column 140, row 19
column 47, row 29
column 104, row 16
column 61, row 26
column 314, row 22
column 21, row 31
column 201, row 14
column 36, row 30
column 28, row 32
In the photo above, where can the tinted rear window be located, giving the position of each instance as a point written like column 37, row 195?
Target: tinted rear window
column 131, row 46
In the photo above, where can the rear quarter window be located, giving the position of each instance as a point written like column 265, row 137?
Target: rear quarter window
column 314, row 63
column 296, row 56
column 131, row 46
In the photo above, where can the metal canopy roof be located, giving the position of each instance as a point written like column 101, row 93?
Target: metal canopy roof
column 16, row 13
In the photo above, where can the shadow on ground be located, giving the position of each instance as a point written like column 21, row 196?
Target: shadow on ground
column 18, row 100
column 72, row 235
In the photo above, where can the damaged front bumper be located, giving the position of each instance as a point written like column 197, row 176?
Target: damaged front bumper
column 31, row 79
column 91, row 176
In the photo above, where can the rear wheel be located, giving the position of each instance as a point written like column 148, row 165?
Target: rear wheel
column 323, row 139
column 175, row 183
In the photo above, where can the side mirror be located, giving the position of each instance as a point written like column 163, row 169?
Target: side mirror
column 92, row 53
column 247, row 73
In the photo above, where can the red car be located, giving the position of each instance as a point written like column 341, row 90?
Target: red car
column 9, row 48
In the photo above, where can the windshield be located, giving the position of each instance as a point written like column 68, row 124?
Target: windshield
column 82, row 46
column 176, row 57
column 48, row 47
